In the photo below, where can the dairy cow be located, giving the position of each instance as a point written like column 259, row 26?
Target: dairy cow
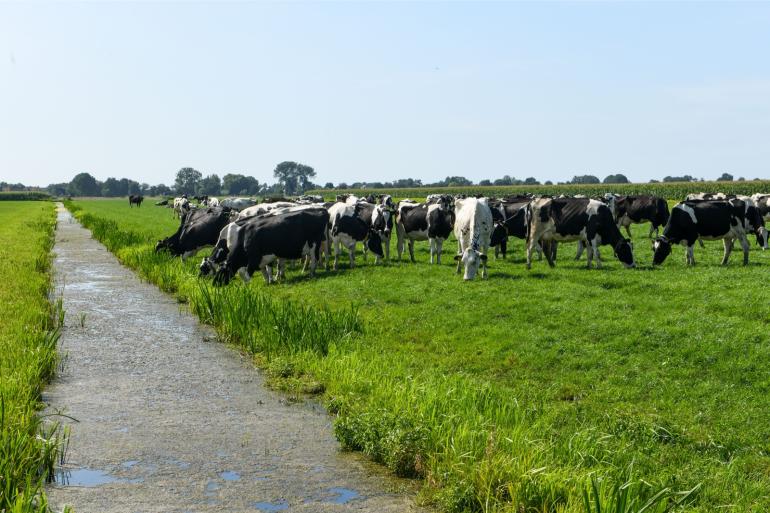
column 553, row 220
column 197, row 229
column 135, row 199
column 761, row 201
column 641, row 209
column 510, row 217
column 709, row 220
column 352, row 223
column 422, row 221
column 472, row 229
column 254, row 243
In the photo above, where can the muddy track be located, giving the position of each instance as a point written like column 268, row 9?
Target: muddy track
column 170, row 420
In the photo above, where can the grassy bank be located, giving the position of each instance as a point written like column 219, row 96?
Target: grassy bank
column 29, row 447
column 550, row 390
column 672, row 190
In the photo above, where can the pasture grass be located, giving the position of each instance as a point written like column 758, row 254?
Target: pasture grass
column 545, row 390
column 30, row 446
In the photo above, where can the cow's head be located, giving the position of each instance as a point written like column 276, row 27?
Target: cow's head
column 374, row 243
column 471, row 260
column 382, row 219
column 661, row 248
column 206, row 267
column 625, row 252
column 161, row 245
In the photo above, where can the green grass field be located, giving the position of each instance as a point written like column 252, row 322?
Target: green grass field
column 29, row 445
column 545, row 390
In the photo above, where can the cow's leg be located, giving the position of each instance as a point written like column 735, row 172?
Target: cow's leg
column 386, row 241
column 531, row 243
column 399, row 242
column 548, row 249
column 745, row 246
column 628, row 230
column 539, row 249
column 589, row 255
column 595, row 247
column 728, row 244
column 411, row 250
column 579, row 250
column 432, row 245
column 267, row 273
column 691, row 254
column 245, row 275
column 336, row 245
column 439, row 247
column 352, row 254
column 280, row 271
column 503, row 248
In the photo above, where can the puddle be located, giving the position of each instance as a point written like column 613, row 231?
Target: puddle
column 272, row 506
column 89, row 478
column 211, row 488
column 229, row 475
column 342, row 495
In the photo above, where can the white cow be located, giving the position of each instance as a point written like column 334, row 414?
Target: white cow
column 237, row 203
column 263, row 208
column 181, row 207
column 473, row 228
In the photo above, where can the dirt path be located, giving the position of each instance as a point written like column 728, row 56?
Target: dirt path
column 170, row 420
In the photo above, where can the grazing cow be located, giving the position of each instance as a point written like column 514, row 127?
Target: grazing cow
column 762, row 202
column 349, row 224
column 552, row 220
column 135, row 199
column 198, row 228
column 181, row 207
column 421, row 221
column 237, row 203
column 202, row 200
column 473, row 228
column 709, row 220
column 213, row 202
column 263, row 208
column 510, row 217
column 641, row 209
column 255, row 243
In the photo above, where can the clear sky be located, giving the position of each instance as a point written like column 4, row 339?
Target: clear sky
column 378, row 91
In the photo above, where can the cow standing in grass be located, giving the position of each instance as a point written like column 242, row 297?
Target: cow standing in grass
column 352, row 223
column 473, row 228
column 423, row 221
column 709, row 220
column 197, row 229
column 553, row 220
column 135, row 199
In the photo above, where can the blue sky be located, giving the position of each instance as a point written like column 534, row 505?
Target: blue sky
column 378, row 91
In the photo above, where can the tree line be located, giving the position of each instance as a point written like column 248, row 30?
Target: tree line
column 292, row 178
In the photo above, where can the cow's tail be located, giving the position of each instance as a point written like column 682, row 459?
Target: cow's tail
column 528, row 220
column 336, row 225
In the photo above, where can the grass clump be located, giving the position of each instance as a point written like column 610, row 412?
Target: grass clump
column 30, row 446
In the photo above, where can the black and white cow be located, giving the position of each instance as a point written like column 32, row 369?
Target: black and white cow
column 422, row 221
column 553, row 220
column 237, row 203
column 198, row 228
column 708, row 196
column 762, row 202
column 510, row 216
column 255, row 243
column 263, row 208
column 641, row 209
column 709, row 220
column 135, row 199
column 181, row 206
column 473, row 229
column 357, row 222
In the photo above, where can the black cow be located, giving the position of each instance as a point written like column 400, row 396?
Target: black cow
column 641, row 209
column 356, row 222
column 510, row 217
column 709, row 220
column 135, row 199
column 259, row 241
column 198, row 228
column 552, row 220
column 423, row 221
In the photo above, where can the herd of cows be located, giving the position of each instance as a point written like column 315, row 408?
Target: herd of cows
column 248, row 236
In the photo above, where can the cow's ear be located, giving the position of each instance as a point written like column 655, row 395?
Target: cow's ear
column 457, row 258
column 483, row 258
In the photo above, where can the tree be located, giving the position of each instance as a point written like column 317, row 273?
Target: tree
column 485, row 182
column 531, row 181
column 726, row 177
column 84, row 185
column 329, row 185
column 111, row 187
column 583, row 179
column 187, row 180
column 618, row 178
column 685, row 178
column 235, row 184
column 548, row 182
column 293, row 177
column 211, row 185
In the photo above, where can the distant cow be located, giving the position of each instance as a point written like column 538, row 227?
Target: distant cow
column 709, row 220
column 262, row 208
column 198, row 228
column 473, row 227
column 213, row 202
column 237, row 203
column 181, row 207
column 510, row 221
column 349, row 224
column 708, row 196
column 641, row 209
column 254, row 243
column 553, row 220
column 135, row 199
column 421, row 221
column 761, row 201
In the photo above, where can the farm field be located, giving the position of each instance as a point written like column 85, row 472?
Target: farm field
column 541, row 390
column 29, row 447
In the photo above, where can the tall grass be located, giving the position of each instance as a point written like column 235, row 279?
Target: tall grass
column 30, row 445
